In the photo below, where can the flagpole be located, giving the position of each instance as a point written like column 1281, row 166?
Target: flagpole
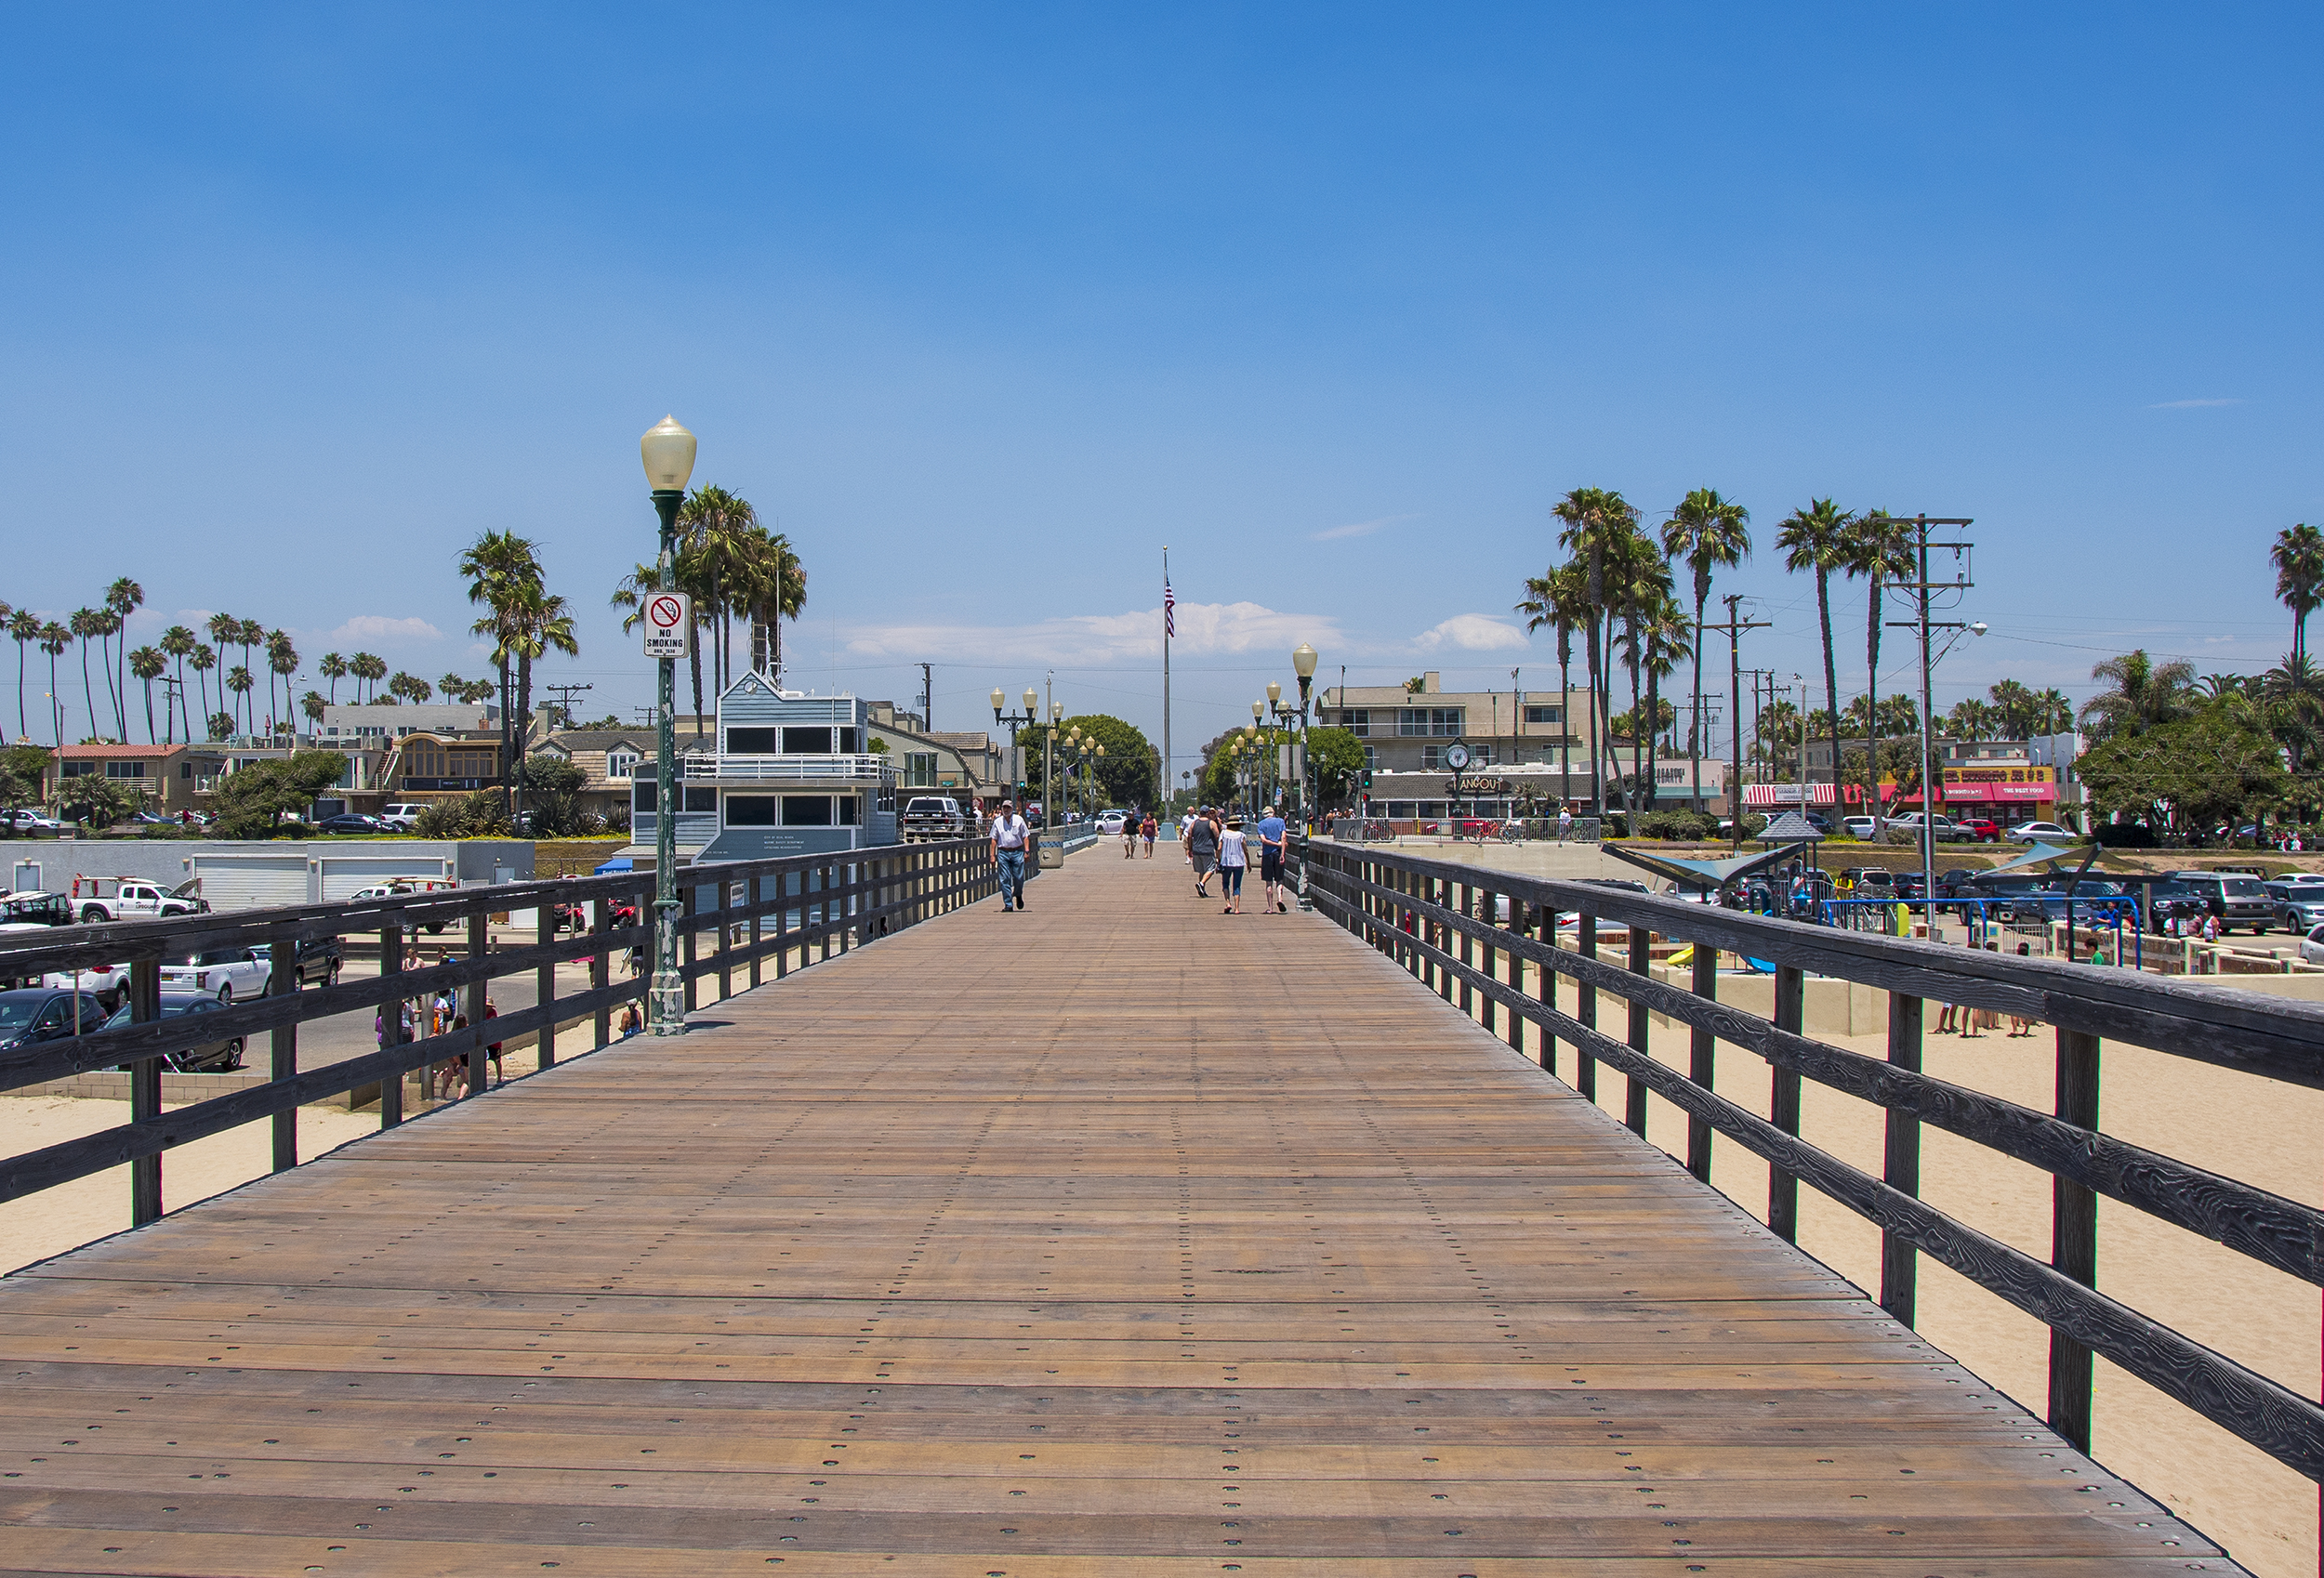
column 1166, row 683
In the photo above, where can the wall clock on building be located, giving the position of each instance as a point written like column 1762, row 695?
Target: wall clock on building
column 1457, row 757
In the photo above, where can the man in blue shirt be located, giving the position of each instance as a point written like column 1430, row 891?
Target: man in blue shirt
column 1271, row 859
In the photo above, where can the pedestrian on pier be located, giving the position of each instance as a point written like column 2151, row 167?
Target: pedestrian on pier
column 1147, row 831
column 1202, row 850
column 1234, row 860
column 1130, row 835
column 1009, row 836
column 1271, row 842
column 1564, row 821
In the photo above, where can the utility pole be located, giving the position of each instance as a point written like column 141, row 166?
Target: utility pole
column 928, row 698
column 564, row 694
column 1735, row 627
column 1922, row 590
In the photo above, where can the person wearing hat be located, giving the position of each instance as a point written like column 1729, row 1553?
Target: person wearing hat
column 1234, row 860
column 1010, row 837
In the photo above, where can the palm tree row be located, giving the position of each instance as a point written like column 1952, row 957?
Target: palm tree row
column 523, row 620
column 732, row 568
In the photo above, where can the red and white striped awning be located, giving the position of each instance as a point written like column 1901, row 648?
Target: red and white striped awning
column 1786, row 794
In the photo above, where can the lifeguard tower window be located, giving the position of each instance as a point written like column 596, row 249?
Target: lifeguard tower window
column 846, row 741
column 756, row 742
column 750, row 810
column 846, row 812
column 806, row 810
column 804, row 742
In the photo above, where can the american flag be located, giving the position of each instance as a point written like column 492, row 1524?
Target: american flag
column 1170, row 604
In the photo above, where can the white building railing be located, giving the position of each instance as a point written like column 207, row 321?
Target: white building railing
column 863, row 768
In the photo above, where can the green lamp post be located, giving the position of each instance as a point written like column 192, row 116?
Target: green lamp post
column 668, row 451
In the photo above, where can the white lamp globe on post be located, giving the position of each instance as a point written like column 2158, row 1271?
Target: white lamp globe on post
column 668, row 451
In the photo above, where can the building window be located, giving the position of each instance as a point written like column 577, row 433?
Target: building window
column 1371, row 758
column 185, row 770
column 750, row 810
column 845, row 810
column 807, row 743
column 124, row 770
column 699, row 800
column 806, row 810
column 919, row 769
column 1358, row 723
column 754, row 742
column 1424, row 723
column 1480, row 755
column 1544, row 714
column 643, row 794
column 76, row 769
column 621, row 764
column 846, row 741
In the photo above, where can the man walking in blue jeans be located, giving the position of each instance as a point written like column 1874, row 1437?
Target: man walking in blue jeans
column 1010, row 837
column 1270, row 832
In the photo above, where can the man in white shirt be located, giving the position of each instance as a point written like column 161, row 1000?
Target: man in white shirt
column 1010, row 837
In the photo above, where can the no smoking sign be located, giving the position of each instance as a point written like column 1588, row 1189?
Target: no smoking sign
column 668, row 622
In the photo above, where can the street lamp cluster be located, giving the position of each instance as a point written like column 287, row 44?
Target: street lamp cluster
column 1272, row 725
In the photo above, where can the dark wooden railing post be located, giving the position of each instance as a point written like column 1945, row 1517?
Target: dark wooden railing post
column 145, row 1092
column 545, row 914
column 689, row 943
column 390, row 1026
column 1548, row 986
column 1517, row 977
column 757, row 891
column 602, row 970
column 1488, row 956
column 480, row 943
column 1702, row 1056
column 283, row 1049
column 1586, row 1010
column 1440, row 893
column 1783, row 1110
column 2074, row 1238
column 726, row 939
column 1900, row 1164
column 783, row 924
column 1468, row 901
column 1634, row 1092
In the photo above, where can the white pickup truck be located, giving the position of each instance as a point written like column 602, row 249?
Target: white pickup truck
column 935, row 818
column 131, row 898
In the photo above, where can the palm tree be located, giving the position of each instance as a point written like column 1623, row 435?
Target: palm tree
column 719, row 525
column 2052, row 713
column 369, row 668
column 334, row 668
column 543, row 624
column 1816, row 539
column 2013, row 708
column 238, row 681
column 630, row 592
column 203, row 660
column 2298, row 555
column 24, row 625
column 222, row 629
column 312, row 704
column 149, row 664
column 87, row 624
column 281, row 660
column 1879, row 548
column 1593, row 518
column 1971, row 720
column 55, row 639
column 178, row 643
column 2141, row 694
column 252, row 637
column 501, row 567
column 1708, row 533
column 1637, row 585
column 1557, row 600
column 123, row 598
column 1669, row 640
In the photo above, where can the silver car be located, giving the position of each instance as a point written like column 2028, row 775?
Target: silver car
column 2300, row 904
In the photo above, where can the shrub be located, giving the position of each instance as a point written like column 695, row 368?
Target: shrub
column 472, row 816
column 2124, row 835
column 1683, row 825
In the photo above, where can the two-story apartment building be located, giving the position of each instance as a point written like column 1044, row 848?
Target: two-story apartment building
column 966, row 765
column 792, row 773
column 172, row 778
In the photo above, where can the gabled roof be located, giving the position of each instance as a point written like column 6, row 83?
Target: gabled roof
column 571, row 740
column 84, row 753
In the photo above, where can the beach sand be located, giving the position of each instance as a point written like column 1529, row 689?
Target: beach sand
column 75, row 1214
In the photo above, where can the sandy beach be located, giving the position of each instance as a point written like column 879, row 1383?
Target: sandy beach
column 75, row 1214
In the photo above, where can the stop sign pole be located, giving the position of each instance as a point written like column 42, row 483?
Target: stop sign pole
column 668, row 453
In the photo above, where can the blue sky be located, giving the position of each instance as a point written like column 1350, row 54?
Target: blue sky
column 983, row 307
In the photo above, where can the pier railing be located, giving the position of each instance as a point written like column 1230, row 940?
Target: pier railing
column 1471, row 931
column 737, row 918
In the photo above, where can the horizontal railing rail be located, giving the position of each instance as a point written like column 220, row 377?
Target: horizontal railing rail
column 1453, row 925
column 818, row 906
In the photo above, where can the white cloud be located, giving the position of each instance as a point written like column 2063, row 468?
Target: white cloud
column 379, row 627
column 1473, row 632
column 2189, row 404
column 1097, row 640
column 1357, row 529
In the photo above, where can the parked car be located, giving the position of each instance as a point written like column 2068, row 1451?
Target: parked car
column 1868, row 882
column 25, row 822
column 2299, row 902
column 401, row 890
column 208, row 1058
column 110, row 982
column 1110, row 823
column 934, row 817
column 1980, row 830
column 319, row 961
column 2163, row 900
column 2237, row 901
column 2041, row 833
column 401, row 817
column 34, row 907
column 1859, row 826
column 130, row 898
column 2312, row 947
column 352, row 822
column 1942, row 827
column 225, row 973
column 43, row 1013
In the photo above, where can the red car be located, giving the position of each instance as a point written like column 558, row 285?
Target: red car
column 1980, row 830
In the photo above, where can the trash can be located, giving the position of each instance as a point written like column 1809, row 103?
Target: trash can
column 1052, row 853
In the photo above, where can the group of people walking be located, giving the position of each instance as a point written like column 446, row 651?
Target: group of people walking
column 1216, row 843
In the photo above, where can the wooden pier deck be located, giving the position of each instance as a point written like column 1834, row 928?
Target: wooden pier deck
column 1115, row 1237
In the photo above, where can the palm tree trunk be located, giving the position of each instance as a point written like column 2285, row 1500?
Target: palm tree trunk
column 1629, row 795
column 1694, row 724
column 1831, row 686
column 149, row 713
column 694, row 655
column 56, row 719
column 1565, row 714
column 1872, row 705
column 23, row 732
column 1654, row 734
column 1597, row 740
column 89, row 690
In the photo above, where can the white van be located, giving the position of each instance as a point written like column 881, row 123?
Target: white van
column 401, row 818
